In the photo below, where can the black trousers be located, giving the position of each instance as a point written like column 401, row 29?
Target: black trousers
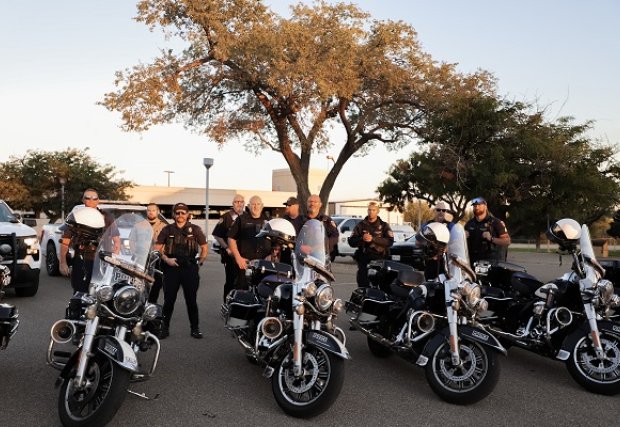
column 81, row 273
column 231, row 270
column 186, row 277
column 156, row 288
column 362, row 268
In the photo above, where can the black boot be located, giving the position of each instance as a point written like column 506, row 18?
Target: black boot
column 165, row 331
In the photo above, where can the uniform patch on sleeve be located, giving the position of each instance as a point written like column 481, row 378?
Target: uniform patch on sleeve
column 220, row 221
column 390, row 233
column 333, row 224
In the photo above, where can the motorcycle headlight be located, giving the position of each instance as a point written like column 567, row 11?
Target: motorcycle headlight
column 152, row 311
column 324, row 297
column 606, row 289
column 104, row 292
column 126, row 300
column 310, row 290
column 32, row 245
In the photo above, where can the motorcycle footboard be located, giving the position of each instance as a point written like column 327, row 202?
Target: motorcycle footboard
column 327, row 342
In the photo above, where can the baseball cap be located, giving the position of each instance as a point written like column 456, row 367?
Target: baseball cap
column 291, row 201
column 442, row 205
column 478, row 201
column 181, row 206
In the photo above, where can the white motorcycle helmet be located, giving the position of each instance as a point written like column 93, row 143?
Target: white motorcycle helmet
column 279, row 230
column 565, row 232
column 434, row 236
column 88, row 223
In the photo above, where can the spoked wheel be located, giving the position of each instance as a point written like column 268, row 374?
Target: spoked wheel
column 315, row 390
column 597, row 375
column 470, row 381
column 96, row 403
column 51, row 260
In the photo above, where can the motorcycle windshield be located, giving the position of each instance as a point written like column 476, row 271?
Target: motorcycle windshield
column 585, row 243
column 457, row 252
column 310, row 243
column 128, row 239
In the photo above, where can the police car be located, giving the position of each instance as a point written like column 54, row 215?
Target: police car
column 20, row 252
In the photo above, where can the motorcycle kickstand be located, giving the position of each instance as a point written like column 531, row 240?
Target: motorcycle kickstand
column 143, row 395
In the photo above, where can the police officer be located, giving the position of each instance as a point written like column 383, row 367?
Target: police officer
column 152, row 216
column 292, row 213
column 487, row 236
column 243, row 242
column 433, row 266
column 84, row 252
column 180, row 242
column 220, row 233
column 372, row 237
column 313, row 209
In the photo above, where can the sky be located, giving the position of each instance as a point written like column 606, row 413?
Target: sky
column 58, row 59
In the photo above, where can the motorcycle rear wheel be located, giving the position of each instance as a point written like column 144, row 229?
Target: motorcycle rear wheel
column 316, row 390
column 596, row 376
column 98, row 402
column 470, row 382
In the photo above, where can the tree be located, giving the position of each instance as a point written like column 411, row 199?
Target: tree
column 534, row 170
column 289, row 85
column 31, row 182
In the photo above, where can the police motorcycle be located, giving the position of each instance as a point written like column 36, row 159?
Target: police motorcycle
column 9, row 315
column 572, row 319
column 110, row 325
column 433, row 324
column 285, row 321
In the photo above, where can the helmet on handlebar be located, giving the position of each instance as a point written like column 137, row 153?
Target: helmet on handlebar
column 565, row 232
column 434, row 236
column 279, row 230
column 87, row 223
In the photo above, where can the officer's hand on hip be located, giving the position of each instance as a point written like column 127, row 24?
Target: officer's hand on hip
column 172, row 262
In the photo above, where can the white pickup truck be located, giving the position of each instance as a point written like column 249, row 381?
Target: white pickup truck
column 19, row 249
column 51, row 234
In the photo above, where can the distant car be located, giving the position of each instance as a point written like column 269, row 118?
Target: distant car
column 408, row 253
column 402, row 232
column 345, row 225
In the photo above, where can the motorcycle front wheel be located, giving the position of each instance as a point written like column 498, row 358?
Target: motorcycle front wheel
column 593, row 374
column 315, row 390
column 470, row 381
column 98, row 401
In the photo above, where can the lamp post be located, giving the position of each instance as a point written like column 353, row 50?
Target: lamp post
column 168, row 172
column 208, row 162
column 62, row 181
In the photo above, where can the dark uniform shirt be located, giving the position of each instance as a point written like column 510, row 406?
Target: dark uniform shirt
column 331, row 231
column 382, row 238
column 221, row 230
column 480, row 248
column 182, row 243
column 297, row 222
column 244, row 231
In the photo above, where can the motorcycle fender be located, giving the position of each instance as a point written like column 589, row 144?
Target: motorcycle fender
column 566, row 349
column 474, row 334
column 327, row 342
column 118, row 351
column 481, row 336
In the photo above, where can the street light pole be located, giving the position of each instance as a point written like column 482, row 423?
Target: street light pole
column 62, row 181
column 168, row 172
column 207, row 162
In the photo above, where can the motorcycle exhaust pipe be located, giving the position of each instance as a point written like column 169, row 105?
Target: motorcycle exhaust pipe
column 62, row 331
column 271, row 327
column 424, row 322
column 563, row 316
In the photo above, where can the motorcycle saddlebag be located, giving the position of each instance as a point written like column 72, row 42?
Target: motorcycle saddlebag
column 242, row 307
column 375, row 304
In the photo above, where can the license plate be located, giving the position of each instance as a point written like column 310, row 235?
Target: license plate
column 395, row 257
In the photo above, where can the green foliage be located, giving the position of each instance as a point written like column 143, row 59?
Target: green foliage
column 529, row 170
column 288, row 85
column 31, row 182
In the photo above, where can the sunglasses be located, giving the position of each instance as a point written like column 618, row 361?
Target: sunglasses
column 180, row 213
column 441, row 210
column 90, row 197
